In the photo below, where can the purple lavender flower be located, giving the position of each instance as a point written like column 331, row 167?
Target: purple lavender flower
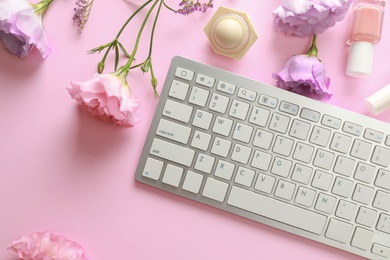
column 304, row 18
column 82, row 11
column 188, row 6
column 304, row 75
column 21, row 27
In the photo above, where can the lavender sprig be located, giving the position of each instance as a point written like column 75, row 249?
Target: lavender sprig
column 82, row 12
column 189, row 6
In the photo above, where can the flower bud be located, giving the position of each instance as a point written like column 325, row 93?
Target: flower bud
column 100, row 67
column 154, row 83
column 145, row 66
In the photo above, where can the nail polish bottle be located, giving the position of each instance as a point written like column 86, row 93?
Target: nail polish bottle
column 367, row 20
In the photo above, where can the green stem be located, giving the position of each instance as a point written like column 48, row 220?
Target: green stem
column 153, row 29
column 168, row 7
column 41, row 7
column 131, row 17
column 127, row 66
column 313, row 50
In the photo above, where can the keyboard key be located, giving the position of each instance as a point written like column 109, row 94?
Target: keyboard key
column 323, row 159
column 364, row 172
column 305, row 196
column 344, row 166
column 362, row 238
column 178, row 89
column 382, row 200
column 172, row 152
column 363, row 194
column 285, row 190
column 221, row 147
column 204, row 163
column 283, row 146
column 346, row 210
column 277, row 210
column 192, row 182
column 299, row 129
column 247, row 94
column 342, row 187
column 172, row 175
column 310, row 115
column 222, row 126
column 289, row 108
column 259, row 116
column 205, row 81
column 341, row 143
column 281, row 167
column 226, row 87
column 384, row 223
column 322, row 180
column 178, row 111
column 152, row 169
column 239, row 109
column 361, row 149
column 261, row 160
column 184, row 74
column 339, row 231
column 381, row 250
column 218, row 103
column 201, row 140
column 265, row 183
column 352, row 128
column 320, row 136
column 215, row 189
column 263, row 139
column 198, row 96
column 303, row 152
column 241, row 153
column 331, row 121
column 202, row 119
column 366, row 217
column 242, row 132
column 224, row 170
column 268, row 101
column 387, row 140
column 373, row 135
column 173, row 131
column 279, row 123
column 325, row 203
column 381, row 156
column 301, row 173
column 383, row 179
column 244, row 176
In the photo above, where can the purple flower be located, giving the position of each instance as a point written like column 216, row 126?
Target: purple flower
column 304, row 18
column 188, row 6
column 21, row 28
column 304, row 75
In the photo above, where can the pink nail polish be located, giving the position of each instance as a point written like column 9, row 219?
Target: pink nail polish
column 367, row 19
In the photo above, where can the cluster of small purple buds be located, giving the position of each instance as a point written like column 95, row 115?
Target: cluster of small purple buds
column 188, row 6
column 82, row 11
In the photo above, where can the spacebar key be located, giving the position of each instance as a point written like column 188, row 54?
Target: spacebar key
column 277, row 210
column 172, row 152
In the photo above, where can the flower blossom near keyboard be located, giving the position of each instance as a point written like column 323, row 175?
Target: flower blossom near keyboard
column 46, row 245
column 303, row 18
column 21, row 27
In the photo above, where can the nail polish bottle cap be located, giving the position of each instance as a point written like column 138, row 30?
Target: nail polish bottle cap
column 360, row 59
column 380, row 100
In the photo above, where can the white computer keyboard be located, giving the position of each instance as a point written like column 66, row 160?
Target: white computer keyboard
column 272, row 156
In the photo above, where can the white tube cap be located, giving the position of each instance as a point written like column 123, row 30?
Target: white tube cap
column 361, row 56
column 380, row 100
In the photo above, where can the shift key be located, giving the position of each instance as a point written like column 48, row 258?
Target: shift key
column 172, row 152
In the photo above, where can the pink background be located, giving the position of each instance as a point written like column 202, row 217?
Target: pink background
column 65, row 171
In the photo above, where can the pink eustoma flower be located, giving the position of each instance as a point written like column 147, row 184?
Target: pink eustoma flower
column 21, row 28
column 46, row 246
column 108, row 97
column 303, row 18
column 304, row 75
